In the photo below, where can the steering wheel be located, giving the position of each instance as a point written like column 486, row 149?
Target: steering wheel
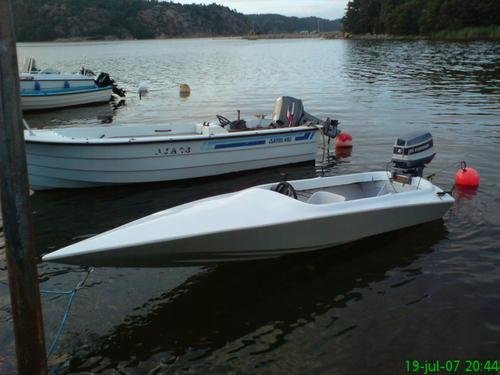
column 223, row 121
column 285, row 188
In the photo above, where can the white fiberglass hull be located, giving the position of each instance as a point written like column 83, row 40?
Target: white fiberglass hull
column 64, row 163
column 64, row 98
column 256, row 223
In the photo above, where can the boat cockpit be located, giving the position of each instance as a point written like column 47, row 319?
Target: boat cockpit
column 344, row 192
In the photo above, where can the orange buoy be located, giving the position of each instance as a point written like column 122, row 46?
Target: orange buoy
column 467, row 176
column 343, row 140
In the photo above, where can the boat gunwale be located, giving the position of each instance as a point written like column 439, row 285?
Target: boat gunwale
column 60, row 92
column 167, row 139
column 26, row 79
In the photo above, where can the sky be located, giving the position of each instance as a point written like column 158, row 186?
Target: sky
column 330, row 9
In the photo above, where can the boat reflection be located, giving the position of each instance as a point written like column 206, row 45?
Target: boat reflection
column 88, row 115
column 199, row 317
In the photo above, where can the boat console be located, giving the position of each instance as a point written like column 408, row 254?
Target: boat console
column 287, row 112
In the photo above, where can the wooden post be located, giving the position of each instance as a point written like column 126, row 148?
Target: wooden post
column 16, row 211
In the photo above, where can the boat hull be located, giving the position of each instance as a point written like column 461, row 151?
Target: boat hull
column 264, row 242
column 255, row 224
column 62, row 165
column 52, row 99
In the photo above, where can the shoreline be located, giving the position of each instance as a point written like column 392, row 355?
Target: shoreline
column 468, row 34
column 489, row 33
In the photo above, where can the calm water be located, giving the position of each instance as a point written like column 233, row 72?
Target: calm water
column 428, row 292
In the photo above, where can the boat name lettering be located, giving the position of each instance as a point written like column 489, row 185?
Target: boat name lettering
column 173, row 150
column 420, row 148
column 280, row 140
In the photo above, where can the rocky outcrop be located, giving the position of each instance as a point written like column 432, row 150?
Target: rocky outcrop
column 44, row 20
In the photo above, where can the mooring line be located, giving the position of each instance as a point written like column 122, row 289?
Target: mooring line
column 71, row 294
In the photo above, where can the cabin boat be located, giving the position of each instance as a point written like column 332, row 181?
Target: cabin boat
column 82, row 157
column 267, row 221
column 50, row 88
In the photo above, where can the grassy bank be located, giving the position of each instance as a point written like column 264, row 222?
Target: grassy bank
column 469, row 33
column 466, row 34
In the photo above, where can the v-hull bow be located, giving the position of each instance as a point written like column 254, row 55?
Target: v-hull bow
column 260, row 223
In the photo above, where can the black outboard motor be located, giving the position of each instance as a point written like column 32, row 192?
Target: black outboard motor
column 330, row 128
column 412, row 152
column 104, row 80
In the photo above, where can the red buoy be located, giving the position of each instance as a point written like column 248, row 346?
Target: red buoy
column 467, row 176
column 343, row 140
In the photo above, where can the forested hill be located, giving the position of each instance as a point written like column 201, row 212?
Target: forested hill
column 38, row 20
column 419, row 17
column 276, row 23
column 45, row 20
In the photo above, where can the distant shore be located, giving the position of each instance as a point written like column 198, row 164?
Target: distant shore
column 303, row 35
column 467, row 34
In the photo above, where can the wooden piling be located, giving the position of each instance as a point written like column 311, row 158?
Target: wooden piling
column 20, row 252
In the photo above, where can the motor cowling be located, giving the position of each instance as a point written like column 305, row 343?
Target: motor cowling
column 287, row 111
column 412, row 152
column 105, row 80
column 330, row 128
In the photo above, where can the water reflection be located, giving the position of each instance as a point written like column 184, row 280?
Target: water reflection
column 465, row 192
column 215, row 309
column 76, row 116
column 343, row 153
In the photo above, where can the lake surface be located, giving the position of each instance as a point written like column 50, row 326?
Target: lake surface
column 428, row 292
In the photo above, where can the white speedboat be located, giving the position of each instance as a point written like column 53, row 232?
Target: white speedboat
column 96, row 156
column 266, row 221
column 50, row 88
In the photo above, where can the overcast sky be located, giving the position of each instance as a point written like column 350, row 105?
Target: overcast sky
column 303, row 8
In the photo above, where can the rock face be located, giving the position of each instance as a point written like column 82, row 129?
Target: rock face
column 44, row 20
column 38, row 20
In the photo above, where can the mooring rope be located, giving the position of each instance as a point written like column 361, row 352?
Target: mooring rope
column 71, row 293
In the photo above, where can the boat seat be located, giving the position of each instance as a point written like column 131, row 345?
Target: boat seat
column 324, row 197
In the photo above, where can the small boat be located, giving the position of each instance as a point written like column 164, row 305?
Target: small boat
column 266, row 221
column 50, row 88
column 81, row 157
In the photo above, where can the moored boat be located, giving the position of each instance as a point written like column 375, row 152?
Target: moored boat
column 266, row 221
column 96, row 156
column 50, row 88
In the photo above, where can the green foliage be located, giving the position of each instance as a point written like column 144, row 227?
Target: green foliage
column 469, row 33
column 362, row 16
column 418, row 17
column 404, row 19
column 276, row 24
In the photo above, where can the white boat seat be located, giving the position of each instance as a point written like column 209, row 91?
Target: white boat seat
column 324, row 197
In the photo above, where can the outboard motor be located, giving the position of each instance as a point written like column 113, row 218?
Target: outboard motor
column 104, row 80
column 412, row 152
column 287, row 111
column 330, row 128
